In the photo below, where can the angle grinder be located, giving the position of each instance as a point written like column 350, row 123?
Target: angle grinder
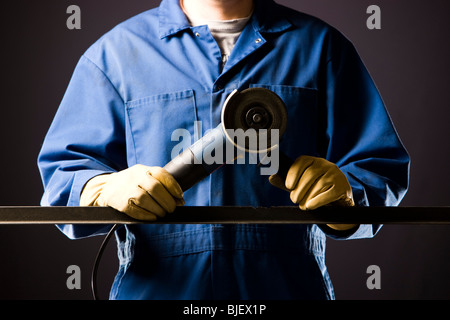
column 252, row 121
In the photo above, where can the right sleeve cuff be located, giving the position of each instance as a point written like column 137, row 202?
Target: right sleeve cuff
column 92, row 189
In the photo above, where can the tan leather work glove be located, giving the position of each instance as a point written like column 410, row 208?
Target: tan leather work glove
column 315, row 182
column 142, row 192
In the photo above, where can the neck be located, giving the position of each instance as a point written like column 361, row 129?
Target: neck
column 217, row 9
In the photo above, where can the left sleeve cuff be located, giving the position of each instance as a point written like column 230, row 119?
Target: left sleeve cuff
column 362, row 231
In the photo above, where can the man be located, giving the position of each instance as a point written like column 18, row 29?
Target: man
column 173, row 67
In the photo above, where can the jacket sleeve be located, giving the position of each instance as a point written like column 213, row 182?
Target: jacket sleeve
column 85, row 139
column 361, row 138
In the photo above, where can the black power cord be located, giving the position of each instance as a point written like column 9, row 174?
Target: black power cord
column 97, row 260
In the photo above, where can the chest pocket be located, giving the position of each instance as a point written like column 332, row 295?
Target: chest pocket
column 303, row 119
column 152, row 120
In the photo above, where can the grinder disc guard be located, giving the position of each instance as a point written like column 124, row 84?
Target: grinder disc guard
column 255, row 108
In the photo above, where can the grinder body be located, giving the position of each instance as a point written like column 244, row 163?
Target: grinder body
column 190, row 167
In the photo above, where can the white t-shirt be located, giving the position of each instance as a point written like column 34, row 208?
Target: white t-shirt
column 225, row 32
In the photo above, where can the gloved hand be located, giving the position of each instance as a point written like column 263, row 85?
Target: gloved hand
column 315, row 182
column 142, row 192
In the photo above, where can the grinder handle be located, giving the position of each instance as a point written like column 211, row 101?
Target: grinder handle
column 284, row 163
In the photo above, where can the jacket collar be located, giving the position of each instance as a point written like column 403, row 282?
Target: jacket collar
column 267, row 17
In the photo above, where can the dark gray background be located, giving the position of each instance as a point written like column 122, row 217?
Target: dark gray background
column 408, row 59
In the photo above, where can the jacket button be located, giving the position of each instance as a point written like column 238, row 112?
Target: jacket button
column 258, row 40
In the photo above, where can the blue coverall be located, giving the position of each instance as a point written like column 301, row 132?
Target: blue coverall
column 154, row 73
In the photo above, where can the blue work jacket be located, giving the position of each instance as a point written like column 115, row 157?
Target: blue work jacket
column 153, row 74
